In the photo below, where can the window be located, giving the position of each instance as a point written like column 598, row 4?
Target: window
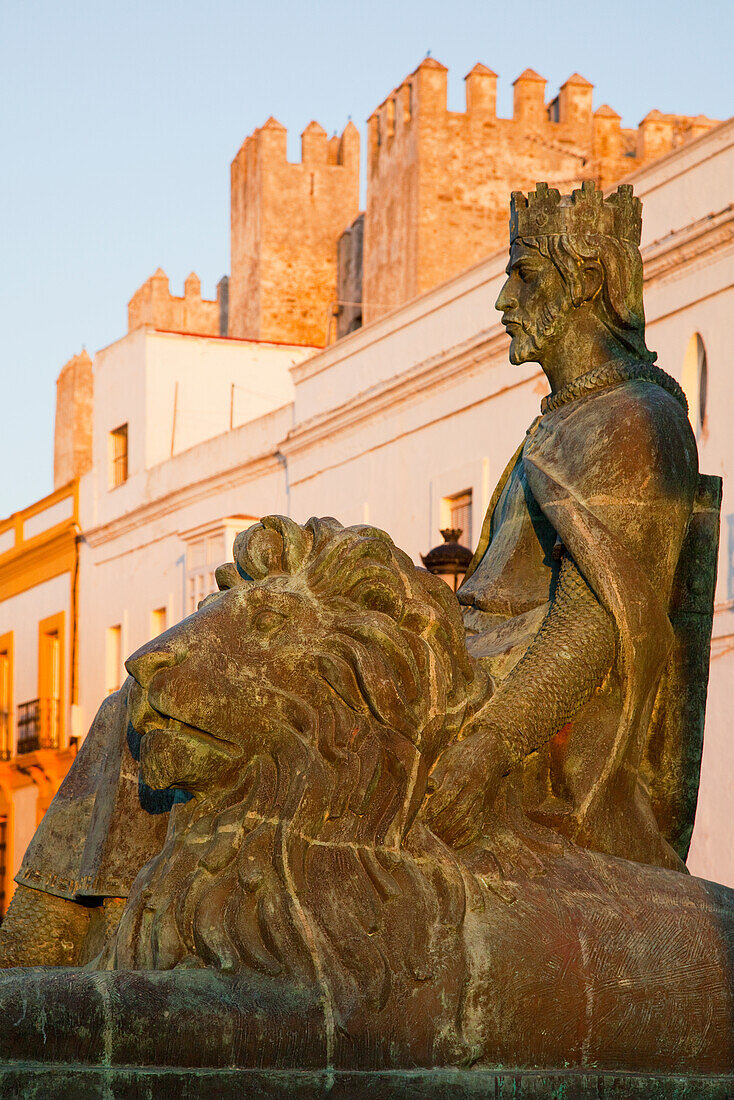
column 49, row 713
column 202, row 558
column 208, row 547
column 118, row 456
column 50, row 689
column 457, row 512
column 113, row 658
column 6, row 696
column 3, row 861
column 157, row 621
column 695, row 382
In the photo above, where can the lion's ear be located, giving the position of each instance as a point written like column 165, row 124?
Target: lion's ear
column 258, row 552
column 296, row 541
column 274, row 545
column 227, row 576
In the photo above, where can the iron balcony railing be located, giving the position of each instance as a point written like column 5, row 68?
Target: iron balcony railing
column 38, row 725
column 6, row 736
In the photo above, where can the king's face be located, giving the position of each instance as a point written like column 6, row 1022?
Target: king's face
column 534, row 302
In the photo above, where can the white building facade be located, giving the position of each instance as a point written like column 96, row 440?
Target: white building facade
column 197, row 418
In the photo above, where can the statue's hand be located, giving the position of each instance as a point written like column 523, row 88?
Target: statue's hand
column 463, row 785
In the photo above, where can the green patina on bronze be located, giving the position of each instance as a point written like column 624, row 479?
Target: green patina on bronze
column 410, row 849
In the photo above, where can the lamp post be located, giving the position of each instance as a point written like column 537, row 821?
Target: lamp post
column 450, row 560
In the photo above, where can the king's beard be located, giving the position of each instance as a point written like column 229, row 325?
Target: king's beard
column 537, row 332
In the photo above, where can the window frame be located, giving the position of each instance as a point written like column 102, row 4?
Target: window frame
column 450, row 504
column 118, row 457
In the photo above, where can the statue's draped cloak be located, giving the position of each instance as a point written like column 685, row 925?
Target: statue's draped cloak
column 102, row 826
column 614, row 475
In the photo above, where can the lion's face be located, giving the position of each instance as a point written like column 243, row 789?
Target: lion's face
column 329, row 659
column 206, row 697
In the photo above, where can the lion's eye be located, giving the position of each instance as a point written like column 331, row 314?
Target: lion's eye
column 267, row 621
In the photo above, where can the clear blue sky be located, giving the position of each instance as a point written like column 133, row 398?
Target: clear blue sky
column 118, row 122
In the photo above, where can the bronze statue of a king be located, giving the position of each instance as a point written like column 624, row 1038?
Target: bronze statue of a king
column 343, row 834
column 589, row 598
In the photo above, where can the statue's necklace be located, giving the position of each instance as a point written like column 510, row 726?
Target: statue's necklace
column 610, row 374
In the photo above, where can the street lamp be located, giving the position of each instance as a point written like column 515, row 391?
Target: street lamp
column 450, row 560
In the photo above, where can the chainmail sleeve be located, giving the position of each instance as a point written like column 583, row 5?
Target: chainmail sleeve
column 565, row 663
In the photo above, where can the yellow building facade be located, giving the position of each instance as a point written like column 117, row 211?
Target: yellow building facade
column 39, row 580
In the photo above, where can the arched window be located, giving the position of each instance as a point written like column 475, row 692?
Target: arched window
column 695, row 382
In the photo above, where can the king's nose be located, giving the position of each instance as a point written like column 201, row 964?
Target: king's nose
column 151, row 658
column 505, row 300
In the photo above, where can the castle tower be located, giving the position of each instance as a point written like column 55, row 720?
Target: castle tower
column 286, row 222
column 438, row 181
column 73, row 426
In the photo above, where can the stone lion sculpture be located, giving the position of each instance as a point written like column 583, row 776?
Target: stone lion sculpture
column 301, row 913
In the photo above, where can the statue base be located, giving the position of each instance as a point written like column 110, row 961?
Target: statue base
column 44, row 1081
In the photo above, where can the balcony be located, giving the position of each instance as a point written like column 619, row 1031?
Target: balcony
column 39, row 722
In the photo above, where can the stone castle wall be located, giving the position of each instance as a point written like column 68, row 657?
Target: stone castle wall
column 349, row 278
column 286, row 220
column 438, row 181
column 153, row 304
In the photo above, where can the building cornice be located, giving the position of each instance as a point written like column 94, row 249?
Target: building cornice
column 149, row 330
column 40, row 559
column 671, row 165
column 191, row 534
column 437, row 372
column 16, row 520
column 231, row 478
column 688, row 247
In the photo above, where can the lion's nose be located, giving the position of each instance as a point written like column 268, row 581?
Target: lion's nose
column 150, row 658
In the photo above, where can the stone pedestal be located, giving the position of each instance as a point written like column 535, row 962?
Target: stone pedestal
column 41, row 1081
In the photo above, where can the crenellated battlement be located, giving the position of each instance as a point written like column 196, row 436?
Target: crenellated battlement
column 423, row 96
column 438, row 180
column 153, row 304
column 437, row 188
column 286, row 221
column 268, row 146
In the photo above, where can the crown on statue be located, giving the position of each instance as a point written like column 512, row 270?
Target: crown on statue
column 546, row 212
